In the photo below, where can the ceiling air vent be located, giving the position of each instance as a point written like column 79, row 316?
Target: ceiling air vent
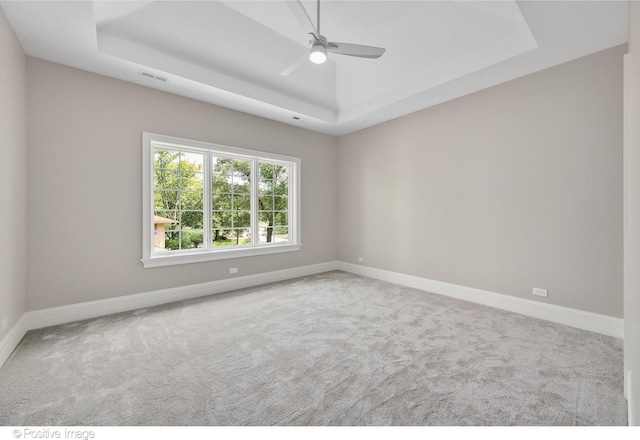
column 153, row 76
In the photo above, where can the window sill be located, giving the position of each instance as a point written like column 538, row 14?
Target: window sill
column 223, row 254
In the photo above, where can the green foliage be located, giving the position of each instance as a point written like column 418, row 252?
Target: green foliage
column 231, row 202
column 195, row 238
column 237, row 237
column 179, row 195
column 189, row 240
column 273, row 199
column 172, row 244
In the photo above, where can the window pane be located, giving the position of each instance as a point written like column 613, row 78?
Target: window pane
column 273, row 179
column 221, row 165
column 241, row 202
column 166, row 178
column 266, row 218
column 224, row 238
column 172, row 241
column 281, row 218
column 221, row 202
column 231, row 237
column 190, row 169
column 241, row 168
column 220, row 237
column 265, row 178
column 166, row 159
column 241, row 236
column 191, row 181
column 191, row 200
column 281, row 203
column 265, row 203
column 182, row 239
column 191, row 239
column 191, row 219
column 191, row 162
column 231, row 175
column 241, row 185
column 165, row 199
column 164, row 221
column 242, row 219
column 273, row 203
column 280, row 174
column 281, row 234
column 221, row 219
column 222, row 184
column 265, row 235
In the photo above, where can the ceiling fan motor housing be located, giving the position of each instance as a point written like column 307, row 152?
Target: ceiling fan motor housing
column 320, row 40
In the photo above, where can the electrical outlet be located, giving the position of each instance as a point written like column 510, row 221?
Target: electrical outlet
column 540, row 292
column 360, row 260
column 5, row 323
column 233, row 270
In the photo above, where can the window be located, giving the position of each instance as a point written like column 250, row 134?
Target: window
column 207, row 202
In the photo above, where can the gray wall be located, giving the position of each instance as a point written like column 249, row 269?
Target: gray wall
column 509, row 188
column 13, row 177
column 632, row 239
column 514, row 187
column 85, row 187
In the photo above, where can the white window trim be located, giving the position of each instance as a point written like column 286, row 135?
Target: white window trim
column 150, row 259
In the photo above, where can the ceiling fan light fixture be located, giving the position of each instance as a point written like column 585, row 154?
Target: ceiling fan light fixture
column 319, row 45
column 318, row 54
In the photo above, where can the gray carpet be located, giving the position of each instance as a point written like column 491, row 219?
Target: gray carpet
column 329, row 349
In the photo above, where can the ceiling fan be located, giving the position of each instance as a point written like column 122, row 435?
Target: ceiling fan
column 318, row 44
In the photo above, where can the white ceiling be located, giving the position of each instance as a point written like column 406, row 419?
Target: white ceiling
column 231, row 53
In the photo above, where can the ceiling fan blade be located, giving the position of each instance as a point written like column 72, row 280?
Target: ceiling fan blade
column 304, row 57
column 355, row 50
column 300, row 13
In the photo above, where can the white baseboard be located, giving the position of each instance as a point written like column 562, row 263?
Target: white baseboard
column 75, row 312
column 93, row 309
column 12, row 339
column 594, row 322
column 630, row 407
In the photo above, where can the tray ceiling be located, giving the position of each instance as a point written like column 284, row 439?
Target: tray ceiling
column 231, row 53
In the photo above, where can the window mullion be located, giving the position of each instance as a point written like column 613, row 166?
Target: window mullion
column 149, row 182
column 208, row 193
column 254, row 203
column 292, row 224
